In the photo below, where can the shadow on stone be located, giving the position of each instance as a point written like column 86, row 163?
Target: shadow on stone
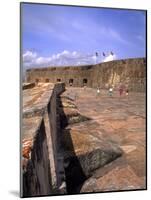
column 83, row 151
column 74, row 173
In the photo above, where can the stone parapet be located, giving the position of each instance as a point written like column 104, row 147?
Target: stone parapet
column 39, row 141
column 128, row 72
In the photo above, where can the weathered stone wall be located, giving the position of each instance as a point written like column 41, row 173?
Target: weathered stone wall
column 36, row 174
column 65, row 74
column 131, row 72
column 55, row 136
column 39, row 145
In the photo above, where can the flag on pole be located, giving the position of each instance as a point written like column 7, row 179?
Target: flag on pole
column 96, row 54
column 112, row 53
column 103, row 54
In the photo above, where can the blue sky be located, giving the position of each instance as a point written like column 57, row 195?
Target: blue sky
column 64, row 35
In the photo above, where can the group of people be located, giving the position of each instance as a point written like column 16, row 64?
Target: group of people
column 110, row 91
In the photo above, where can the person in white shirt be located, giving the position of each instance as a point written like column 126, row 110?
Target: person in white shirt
column 98, row 91
column 110, row 91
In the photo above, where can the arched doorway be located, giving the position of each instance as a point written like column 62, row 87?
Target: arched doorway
column 58, row 80
column 71, row 82
column 85, row 81
column 47, row 80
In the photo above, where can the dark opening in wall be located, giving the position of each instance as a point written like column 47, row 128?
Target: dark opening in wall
column 85, row 81
column 123, row 62
column 71, row 82
column 58, row 80
column 47, row 80
column 37, row 80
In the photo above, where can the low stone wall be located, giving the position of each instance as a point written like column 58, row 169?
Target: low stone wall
column 36, row 170
column 28, row 85
column 40, row 166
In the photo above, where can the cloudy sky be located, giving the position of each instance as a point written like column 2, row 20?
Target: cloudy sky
column 63, row 35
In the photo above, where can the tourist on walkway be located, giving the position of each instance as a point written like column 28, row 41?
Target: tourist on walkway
column 127, row 92
column 120, row 91
column 110, row 91
column 98, row 91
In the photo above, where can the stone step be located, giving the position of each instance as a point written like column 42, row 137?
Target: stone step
column 117, row 175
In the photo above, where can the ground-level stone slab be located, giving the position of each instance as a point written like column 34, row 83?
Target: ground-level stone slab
column 118, row 121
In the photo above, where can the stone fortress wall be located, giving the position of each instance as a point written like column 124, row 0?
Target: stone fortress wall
column 42, row 164
column 130, row 72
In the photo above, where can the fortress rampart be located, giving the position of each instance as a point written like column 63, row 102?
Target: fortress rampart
column 42, row 165
column 130, row 72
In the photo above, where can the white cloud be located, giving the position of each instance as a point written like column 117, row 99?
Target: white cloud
column 32, row 59
column 28, row 56
column 110, row 58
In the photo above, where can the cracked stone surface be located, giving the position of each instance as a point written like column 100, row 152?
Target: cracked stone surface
column 119, row 121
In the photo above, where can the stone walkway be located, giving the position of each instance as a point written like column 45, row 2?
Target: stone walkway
column 122, row 120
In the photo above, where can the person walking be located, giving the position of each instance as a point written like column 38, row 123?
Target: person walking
column 127, row 92
column 98, row 91
column 120, row 91
column 110, row 91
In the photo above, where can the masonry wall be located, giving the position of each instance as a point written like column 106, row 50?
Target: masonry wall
column 41, row 170
column 65, row 74
column 37, row 176
column 131, row 72
column 58, row 169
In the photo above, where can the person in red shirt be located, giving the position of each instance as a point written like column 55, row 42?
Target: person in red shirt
column 120, row 91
